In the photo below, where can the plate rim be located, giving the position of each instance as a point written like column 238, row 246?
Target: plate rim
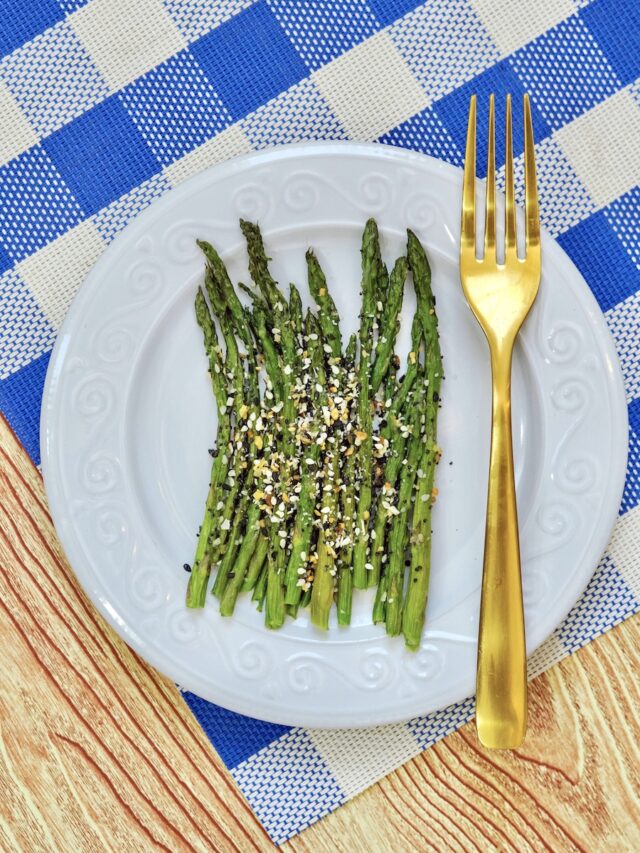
column 619, row 416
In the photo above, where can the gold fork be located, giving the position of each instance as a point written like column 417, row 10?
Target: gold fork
column 500, row 295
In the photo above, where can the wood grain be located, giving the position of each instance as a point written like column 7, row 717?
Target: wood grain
column 99, row 752
column 573, row 786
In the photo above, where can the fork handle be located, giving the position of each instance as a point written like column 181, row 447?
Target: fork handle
column 501, row 687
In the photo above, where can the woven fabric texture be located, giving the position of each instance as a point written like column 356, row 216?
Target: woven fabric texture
column 105, row 105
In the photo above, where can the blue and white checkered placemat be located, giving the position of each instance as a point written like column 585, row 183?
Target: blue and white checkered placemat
column 107, row 104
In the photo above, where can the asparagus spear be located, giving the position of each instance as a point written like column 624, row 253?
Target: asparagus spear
column 400, row 407
column 295, row 310
column 325, row 568
column 392, row 469
column 418, row 583
column 259, row 264
column 328, row 316
column 237, row 568
column 284, row 331
column 370, row 272
column 237, row 320
column 303, row 526
column 236, row 400
column 389, row 324
column 256, row 564
column 398, row 530
column 219, row 272
column 347, row 499
column 198, row 580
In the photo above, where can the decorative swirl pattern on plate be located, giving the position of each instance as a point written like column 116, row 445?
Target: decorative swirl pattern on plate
column 421, row 212
column 93, row 398
column 180, row 240
column 300, row 193
column 562, row 344
column 426, row 663
column 559, row 524
column 579, row 473
column 147, row 588
column 111, row 527
column 377, row 669
column 183, row 627
column 571, row 395
column 377, row 192
column 100, row 473
column 113, row 344
column 251, row 202
column 252, row 660
column 304, row 673
column 145, row 279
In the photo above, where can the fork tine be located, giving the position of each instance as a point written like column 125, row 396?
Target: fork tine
column 530, row 188
column 490, row 215
column 510, row 196
column 468, row 237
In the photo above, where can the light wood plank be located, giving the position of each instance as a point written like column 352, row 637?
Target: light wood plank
column 573, row 786
column 97, row 751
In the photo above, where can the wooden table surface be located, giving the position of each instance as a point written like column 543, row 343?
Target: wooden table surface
column 99, row 752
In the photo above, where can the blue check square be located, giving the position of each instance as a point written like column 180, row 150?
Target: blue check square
column 175, row 107
column 101, row 155
column 602, row 259
column 335, row 27
column 558, row 71
column 36, row 206
column 615, row 25
column 500, row 79
column 235, row 736
column 425, row 132
column 21, row 21
column 624, row 216
column 387, row 11
column 249, row 60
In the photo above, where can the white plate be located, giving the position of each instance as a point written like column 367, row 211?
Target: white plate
column 128, row 416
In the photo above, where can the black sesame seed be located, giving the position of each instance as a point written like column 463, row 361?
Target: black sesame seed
column 187, row 567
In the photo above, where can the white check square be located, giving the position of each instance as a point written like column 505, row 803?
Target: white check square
column 513, row 23
column 126, row 39
column 602, row 146
column 54, row 274
column 370, row 89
